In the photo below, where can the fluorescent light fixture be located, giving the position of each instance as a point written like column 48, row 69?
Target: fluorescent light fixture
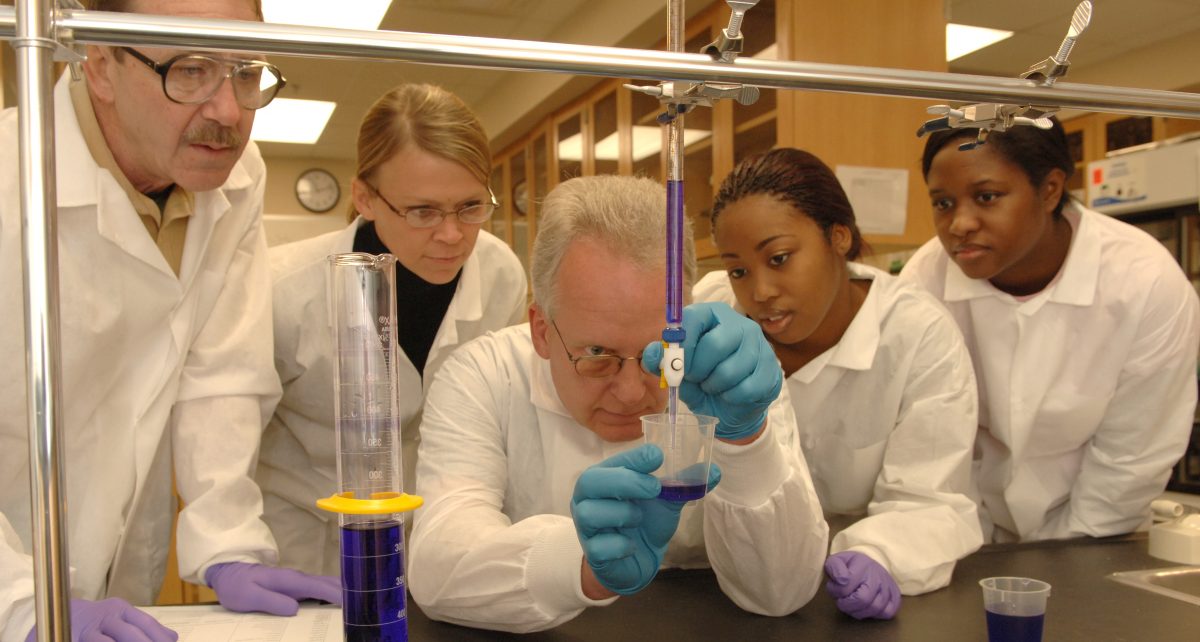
column 964, row 39
column 288, row 120
column 647, row 141
column 354, row 14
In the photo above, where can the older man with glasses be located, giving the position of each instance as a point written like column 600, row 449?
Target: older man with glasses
column 538, row 497
column 166, row 335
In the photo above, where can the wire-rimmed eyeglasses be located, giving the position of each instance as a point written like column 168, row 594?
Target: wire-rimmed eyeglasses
column 191, row 78
column 471, row 213
column 596, row 365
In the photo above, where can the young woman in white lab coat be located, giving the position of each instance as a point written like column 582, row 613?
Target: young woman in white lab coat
column 878, row 374
column 1083, row 331
column 420, row 193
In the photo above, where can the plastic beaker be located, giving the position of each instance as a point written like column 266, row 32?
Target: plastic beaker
column 1016, row 608
column 687, row 450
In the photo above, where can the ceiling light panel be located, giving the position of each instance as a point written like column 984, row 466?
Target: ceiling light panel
column 287, row 120
column 964, row 39
column 355, row 14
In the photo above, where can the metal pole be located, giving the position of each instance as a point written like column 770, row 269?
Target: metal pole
column 99, row 27
column 34, row 47
column 675, row 19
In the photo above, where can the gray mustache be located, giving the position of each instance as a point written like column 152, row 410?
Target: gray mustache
column 212, row 134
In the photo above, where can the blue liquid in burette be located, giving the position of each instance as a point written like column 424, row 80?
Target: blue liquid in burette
column 373, row 599
column 676, row 491
column 1015, row 628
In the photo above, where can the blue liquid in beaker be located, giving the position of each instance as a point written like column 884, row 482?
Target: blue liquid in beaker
column 677, row 491
column 373, row 599
column 1014, row 628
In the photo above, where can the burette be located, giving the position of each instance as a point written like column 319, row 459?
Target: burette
column 673, row 334
column 678, row 99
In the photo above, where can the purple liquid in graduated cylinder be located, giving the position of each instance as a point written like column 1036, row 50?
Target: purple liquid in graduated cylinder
column 676, row 491
column 1014, row 628
column 373, row 596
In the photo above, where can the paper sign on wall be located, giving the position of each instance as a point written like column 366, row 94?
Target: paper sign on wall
column 878, row 195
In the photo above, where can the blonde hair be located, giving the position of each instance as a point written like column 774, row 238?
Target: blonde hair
column 428, row 118
column 626, row 214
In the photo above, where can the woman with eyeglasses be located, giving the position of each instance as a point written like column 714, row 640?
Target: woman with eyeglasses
column 877, row 373
column 421, row 194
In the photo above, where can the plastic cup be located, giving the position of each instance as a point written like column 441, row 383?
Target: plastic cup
column 1016, row 608
column 686, row 451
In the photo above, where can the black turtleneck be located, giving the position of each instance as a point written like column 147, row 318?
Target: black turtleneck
column 420, row 305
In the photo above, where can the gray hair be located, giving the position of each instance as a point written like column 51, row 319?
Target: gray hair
column 626, row 214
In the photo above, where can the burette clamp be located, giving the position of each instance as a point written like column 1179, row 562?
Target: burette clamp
column 999, row 117
column 377, row 504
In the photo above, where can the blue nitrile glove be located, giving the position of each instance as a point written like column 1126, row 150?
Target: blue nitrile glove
column 112, row 620
column 623, row 528
column 730, row 371
column 254, row 587
column 862, row 587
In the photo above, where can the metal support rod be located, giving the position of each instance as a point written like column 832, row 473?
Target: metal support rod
column 34, row 47
column 98, row 27
column 675, row 19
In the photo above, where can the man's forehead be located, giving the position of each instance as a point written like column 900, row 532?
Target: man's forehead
column 163, row 54
column 607, row 294
column 222, row 9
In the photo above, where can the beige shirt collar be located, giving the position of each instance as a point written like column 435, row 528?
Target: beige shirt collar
column 167, row 227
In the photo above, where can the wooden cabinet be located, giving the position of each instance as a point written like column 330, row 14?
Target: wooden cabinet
column 860, row 130
column 612, row 130
column 522, row 176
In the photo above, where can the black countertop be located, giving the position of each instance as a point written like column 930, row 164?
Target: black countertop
column 1084, row 605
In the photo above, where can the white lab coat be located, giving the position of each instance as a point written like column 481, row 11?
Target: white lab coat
column 887, row 421
column 153, row 367
column 495, row 546
column 298, row 463
column 1086, row 389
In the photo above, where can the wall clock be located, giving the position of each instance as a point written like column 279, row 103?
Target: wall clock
column 317, row 190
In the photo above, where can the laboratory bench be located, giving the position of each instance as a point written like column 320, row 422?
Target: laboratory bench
column 1084, row 605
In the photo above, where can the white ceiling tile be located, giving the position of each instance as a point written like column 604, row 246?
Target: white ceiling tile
column 1013, row 15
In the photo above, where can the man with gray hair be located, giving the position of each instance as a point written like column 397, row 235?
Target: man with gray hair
column 166, row 361
column 539, row 500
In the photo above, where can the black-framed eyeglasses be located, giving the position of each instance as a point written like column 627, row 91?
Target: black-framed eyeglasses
column 191, row 78
column 471, row 214
column 595, row 366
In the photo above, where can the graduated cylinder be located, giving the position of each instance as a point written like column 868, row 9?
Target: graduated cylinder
column 370, row 501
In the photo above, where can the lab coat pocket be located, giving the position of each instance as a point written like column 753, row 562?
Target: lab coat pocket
column 1066, row 420
column 844, row 476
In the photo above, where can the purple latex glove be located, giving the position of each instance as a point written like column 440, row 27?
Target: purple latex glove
column 862, row 587
column 254, row 587
column 112, row 620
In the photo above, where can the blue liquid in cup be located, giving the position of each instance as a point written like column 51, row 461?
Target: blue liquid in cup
column 677, row 491
column 373, row 598
column 1014, row 628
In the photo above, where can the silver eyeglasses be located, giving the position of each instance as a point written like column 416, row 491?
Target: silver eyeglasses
column 595, row 366
column 471, row 213
column 191, row 78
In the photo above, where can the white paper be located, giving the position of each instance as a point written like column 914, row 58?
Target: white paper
column 879, row 196
column 213, row 623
